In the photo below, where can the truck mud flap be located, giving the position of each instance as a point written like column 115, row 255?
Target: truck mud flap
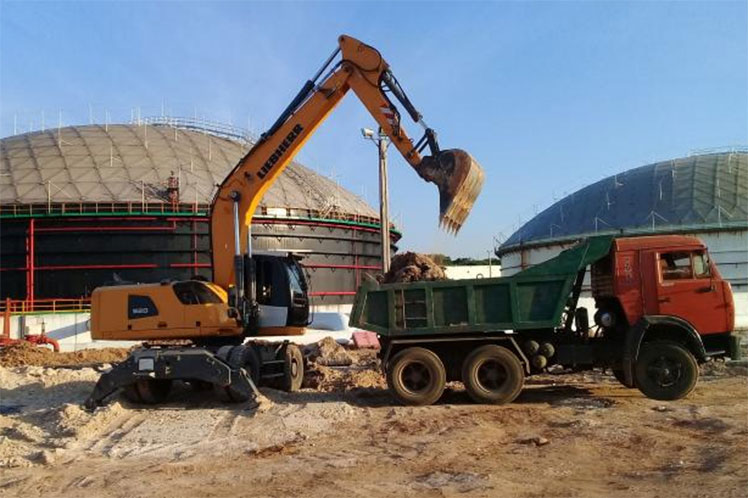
column 174, row 364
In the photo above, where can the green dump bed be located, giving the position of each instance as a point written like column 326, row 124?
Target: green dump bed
column 532, row 299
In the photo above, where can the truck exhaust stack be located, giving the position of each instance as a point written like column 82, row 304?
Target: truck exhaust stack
column 459, row 178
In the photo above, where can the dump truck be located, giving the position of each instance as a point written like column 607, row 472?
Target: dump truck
column 662, row 308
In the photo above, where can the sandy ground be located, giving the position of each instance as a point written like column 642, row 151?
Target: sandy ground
column 580, row 435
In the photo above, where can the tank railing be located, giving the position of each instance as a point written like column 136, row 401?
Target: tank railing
column 62, row 305
column 163, row 208
column 102, row 208
column 218, row 129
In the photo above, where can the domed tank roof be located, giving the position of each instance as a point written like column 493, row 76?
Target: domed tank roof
column 124, row 162
column 697, row 192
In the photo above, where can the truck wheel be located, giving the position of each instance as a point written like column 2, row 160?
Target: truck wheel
column 618, row 374
column 493, row 374
column 153, row 391
column 665, row 370
column 293, row 369
column 416, row 376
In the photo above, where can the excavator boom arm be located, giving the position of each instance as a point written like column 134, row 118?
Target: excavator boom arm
column 363, row 70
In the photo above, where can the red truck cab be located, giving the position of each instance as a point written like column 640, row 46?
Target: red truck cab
column 658, row 293
column 670, row 275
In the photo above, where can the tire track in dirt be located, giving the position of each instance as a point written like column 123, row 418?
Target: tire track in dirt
column 120, row 428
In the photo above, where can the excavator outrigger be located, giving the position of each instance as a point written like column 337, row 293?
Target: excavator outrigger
column 217, row 317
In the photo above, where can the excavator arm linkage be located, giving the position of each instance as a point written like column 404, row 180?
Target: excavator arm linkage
column 362, row 69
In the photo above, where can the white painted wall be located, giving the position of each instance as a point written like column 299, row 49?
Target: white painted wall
column 72, row 330
column 460, row 272
column 729, row 250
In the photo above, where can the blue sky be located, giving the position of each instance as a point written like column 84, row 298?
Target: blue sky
column 548, row 96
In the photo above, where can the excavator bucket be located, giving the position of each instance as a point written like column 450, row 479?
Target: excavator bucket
column 459, row 178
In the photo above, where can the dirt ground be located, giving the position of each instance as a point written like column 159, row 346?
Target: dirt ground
column 25, row 353
column 575, row 435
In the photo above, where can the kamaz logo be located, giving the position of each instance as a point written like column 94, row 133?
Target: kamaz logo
column 285, row 144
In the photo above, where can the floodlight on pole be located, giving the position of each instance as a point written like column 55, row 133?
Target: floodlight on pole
column 382, row 142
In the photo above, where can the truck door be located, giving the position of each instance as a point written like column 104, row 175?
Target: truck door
column 687, row 289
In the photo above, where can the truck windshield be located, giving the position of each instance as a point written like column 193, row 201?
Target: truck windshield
column 701, row 265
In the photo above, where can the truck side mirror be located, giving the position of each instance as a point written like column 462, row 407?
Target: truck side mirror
column 233, row 313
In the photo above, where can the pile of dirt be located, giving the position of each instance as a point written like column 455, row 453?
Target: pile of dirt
column 331, row 367
column 721, row 368
column 413, row 267
column 328, row 352
column 25, row 353
column 327, row 379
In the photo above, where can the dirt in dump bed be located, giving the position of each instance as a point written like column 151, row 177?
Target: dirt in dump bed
column 24, row 354
column 413, row 267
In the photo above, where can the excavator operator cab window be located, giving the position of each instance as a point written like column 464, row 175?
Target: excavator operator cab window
column 296, row 279
column 194, row 292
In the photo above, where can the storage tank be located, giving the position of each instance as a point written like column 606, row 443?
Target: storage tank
column 81, row 206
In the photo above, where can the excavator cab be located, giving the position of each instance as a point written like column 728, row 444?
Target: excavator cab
column 280, row 294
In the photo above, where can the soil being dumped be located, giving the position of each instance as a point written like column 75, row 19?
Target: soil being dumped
column 413, row 267
column 25, row 354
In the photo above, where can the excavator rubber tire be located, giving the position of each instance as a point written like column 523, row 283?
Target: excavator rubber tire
column 246, row 357
column 293, row 370
column 153, row 391
column 131, row 393
column 226, row 393
column 200, row 385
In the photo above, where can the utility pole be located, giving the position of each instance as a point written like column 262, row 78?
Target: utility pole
column 382, row 142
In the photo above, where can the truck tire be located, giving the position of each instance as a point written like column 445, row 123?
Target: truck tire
column 493, row 374
column 665, row 370
column 416, row 376
column 152, row 391
column 618, row 374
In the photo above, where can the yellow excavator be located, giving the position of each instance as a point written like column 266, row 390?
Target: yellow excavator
column 261, row 294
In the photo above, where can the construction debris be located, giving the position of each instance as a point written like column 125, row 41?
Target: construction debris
column 412, row 267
